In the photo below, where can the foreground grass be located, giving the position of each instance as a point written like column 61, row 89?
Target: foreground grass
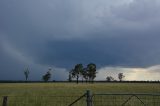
column 47, row 94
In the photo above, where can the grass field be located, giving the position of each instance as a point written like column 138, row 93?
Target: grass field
column 62, row 94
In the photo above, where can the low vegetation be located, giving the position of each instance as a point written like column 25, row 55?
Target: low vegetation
column 47, row 94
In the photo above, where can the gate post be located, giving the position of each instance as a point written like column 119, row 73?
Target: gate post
column 89, row 98
column 5, row 98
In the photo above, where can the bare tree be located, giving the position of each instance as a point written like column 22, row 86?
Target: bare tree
column 70, row 76
column 26, row 73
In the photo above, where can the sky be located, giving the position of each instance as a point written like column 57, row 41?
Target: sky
column 116, row 35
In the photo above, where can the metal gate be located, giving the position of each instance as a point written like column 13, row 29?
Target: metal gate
column 120, row 99
column 125, row 99
column 87, row 99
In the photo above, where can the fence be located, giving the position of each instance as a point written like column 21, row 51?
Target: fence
column 87, row 99
column 126, row 99
column 41, row 101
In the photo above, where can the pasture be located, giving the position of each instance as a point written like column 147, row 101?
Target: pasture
column 62, row 94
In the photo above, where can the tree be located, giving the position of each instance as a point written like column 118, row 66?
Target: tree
column 47, row 76
column 77, row 71
column 26, row 73
column 70, row 76
column 120, row 76
column 85, row 74
column 91, row 69
column 109, row 78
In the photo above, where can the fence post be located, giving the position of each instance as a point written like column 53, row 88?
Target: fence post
column 89, row 98
column 5, row 98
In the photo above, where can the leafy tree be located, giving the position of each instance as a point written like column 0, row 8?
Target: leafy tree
column 47, row 76
column 85, row 74
column 109, row 78
column 26, row 73
column 120, row 76
column 91, row 69
column 77, row 71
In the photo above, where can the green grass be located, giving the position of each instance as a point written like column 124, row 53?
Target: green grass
column 50, row 94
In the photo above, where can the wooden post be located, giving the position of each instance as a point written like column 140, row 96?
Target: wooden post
column 5, row 98
column 89, row 98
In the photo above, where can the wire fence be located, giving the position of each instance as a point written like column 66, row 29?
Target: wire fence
column 43, row 101
column 126, row 99
column 87, row 99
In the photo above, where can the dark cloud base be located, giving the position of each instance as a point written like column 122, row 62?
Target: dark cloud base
column 62, row 34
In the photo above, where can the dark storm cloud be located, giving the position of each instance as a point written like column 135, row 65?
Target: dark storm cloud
column 129, row 51
column 63, row 33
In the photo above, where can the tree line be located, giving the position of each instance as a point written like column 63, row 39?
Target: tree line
column 85, row 73
column 120, row 77
column 46, row 77
column 78, row 72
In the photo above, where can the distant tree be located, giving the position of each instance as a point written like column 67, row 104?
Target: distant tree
column 91, row 71
column 26, row 73
column 85, row 74
column 120, row 76
column 109, row 78
column 47, row 76
column 77, row 71
column 70, row 76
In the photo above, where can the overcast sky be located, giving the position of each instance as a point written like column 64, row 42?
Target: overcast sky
column 116, row 35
